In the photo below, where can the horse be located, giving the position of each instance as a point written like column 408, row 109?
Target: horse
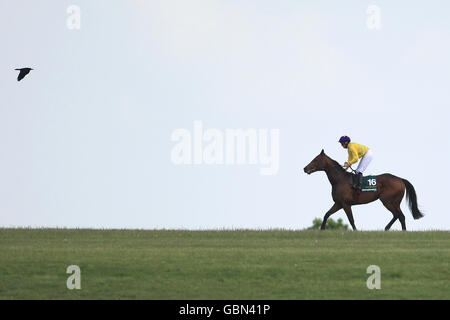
column 390, row 191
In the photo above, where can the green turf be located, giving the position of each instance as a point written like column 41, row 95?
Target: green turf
column 241, row 264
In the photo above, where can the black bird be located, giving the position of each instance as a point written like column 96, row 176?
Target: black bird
column 23, row 72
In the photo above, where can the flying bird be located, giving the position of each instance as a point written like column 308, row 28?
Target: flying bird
column 23, row 72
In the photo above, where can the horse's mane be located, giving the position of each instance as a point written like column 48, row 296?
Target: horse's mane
column 338, row 165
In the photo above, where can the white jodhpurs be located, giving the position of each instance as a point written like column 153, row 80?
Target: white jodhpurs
column 364, row 162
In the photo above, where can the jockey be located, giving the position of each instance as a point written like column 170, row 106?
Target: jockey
column 356, row 151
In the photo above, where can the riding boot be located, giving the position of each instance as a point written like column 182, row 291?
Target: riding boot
column 357, row 180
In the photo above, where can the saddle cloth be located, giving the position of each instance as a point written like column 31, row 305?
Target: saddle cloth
column 369, row 184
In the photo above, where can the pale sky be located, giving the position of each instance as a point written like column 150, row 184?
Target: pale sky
column 85, row 138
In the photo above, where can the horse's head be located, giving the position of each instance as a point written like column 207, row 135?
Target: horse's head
column 317, row 164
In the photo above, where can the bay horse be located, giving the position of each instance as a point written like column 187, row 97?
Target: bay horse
column 391, row 190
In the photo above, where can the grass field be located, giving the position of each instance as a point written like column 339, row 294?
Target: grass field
column 241, row 264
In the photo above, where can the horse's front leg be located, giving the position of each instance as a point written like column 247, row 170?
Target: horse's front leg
column 348, row 212
column 333, row 209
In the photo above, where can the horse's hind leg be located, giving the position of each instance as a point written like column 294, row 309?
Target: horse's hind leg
column 389, row 225
column 401, row 217
column 394, row 210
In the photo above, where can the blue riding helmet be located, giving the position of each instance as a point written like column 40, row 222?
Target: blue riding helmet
column 344, row 139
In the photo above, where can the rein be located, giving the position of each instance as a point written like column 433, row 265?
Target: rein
column 354, row 171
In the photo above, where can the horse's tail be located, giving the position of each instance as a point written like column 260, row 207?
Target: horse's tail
column 411, row 198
